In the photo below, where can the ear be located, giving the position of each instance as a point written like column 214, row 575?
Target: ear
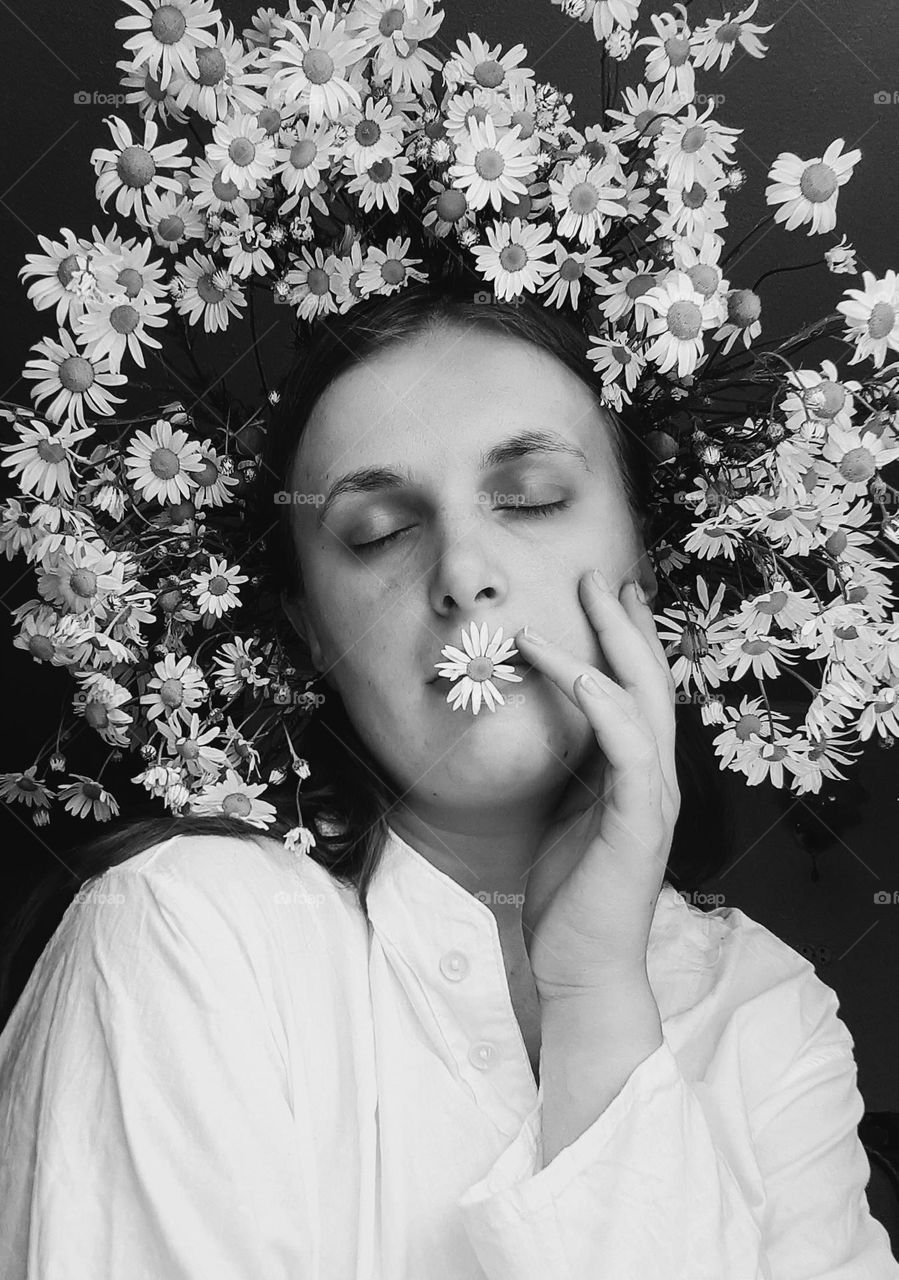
column 295, row 609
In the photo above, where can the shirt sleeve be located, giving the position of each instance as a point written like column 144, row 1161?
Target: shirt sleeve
column 145, row 1111
column 668, row 1184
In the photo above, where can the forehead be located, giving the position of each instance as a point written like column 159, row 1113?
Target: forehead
column 442, row 397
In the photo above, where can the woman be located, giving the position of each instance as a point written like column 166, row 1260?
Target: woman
column 479, row 1033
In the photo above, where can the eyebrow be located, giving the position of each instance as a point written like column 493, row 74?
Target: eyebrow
column 521, row 445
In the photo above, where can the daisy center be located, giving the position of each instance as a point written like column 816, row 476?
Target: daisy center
column 153, row 87
column 222, row 190
column 236, row 805
column 40, row 647
column 857, row 465
column 393, row 271
column 696, row 197
column 211, row 66
column 513, row 258
column 684, row 319
column 164, row 463
column 747, row 725
column 131, row 281
column 76, row 374
column 881, row 320
column 490, row 73
column 818, row 182
column 171, row 692
column 124, row 318
column 83, row 582
column 846, row 633
column 826, row 399
column 704, row 277
column 50, row 451
column 451, row 206
column 96, row 715
column 693, row 139
column 391, row 20
column 168, row 24
column 480, row 669
column 678, row 50
column 219, row 585
column 207, row 291
column 135, row 167
column 171, row 228
column 837, row 543
column 318, row 66
column 317, row 281
column 622, row 355
column 728, row 32
column 638, row 286
column 571, row 269
column 648, row 123
column 774, row 604
column 489, row 163
column 583, row 198
column 367, row 132
column 241, row 151
column 527, row 122
column 755, row 647
column 92, row 790
column 67, row 269
column 744, row 307
column 269, row 119
column 693, row 644
column 188, row 750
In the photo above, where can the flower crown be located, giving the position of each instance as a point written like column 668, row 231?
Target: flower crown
column 334, row 157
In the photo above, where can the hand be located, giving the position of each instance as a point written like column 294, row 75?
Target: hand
column 592, row 890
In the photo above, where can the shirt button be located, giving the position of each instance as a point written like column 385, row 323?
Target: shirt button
column 454, row 966
column 481, row 1055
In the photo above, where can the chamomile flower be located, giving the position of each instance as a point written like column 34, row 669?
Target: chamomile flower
column 100, row 700
column 212, row 194
column 26, row 788
column 475, row 63
column 311, row 67
column 693, row 214
column 617, row 362
column 217, row 588
column 674, row 336
column 41, row 460
column 314, row 282
column 669, row 56
column 374, row 132
column 476, row 666
column 388, row 271
column 742, row 324
column 807, row 190
column 161, row 463
column 193, row 748
column 585, row 198
column 856, row 456
column 116, row 325
column 243, row 153
column 381, row 182
column 564, row 285
column 624, row 294
column 208, row 292
column 61, row 270
column 447, row 210
column 144, row 90
column 225, row 81
column 872, row 317
column 125, row 265
column 236, row 667
column 762, row 655
column 695, row 635
column 235, row 798
column 88, row 797
column 169, row 34
column 841, row 259
column 645, row 113
column 83, row 579
column 513, row 258
column 73, row 379
column 131, row 170
column 303, row 159
column 491, row 168
column 694, row 148
column 173, row 220
column 175, row 689
column 715, row 41
column 245, row 243
column 610, row 15
column 400, row 58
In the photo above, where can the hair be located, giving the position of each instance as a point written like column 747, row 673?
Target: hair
column 346, row 801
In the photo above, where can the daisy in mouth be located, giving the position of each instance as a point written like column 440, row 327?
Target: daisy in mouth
column 477, row 667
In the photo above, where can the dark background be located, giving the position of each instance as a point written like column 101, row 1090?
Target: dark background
column 808, row 869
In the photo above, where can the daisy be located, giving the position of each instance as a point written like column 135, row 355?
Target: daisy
column 169, row 34
column 173, row 220
column 145, row 91
column 669, row 56
column 175, row 689
column 747, row 723
column 783, row 605
column 584, row 199
column 384, row 25
column 694, row 148
column 217, row 588
column 512, row 259
column 881, row 714
column 872, row 317
column 645, row 113
column 244, row 243
column 762, row 655
column 62, row 271
column 311, row 67
column 99, row 701
column 807, row 190
column 743, row 310
column 856, row 456
column 16, row 531
column 675, row 334
column 625, row 294
column 41, row 461
column 841, row 259
column 374, row 132
column 769, row 760
column 125, row 266
column 819, row 398
column 446, row 210
column 208, row 292
column 386, row 272
column 88, row 797
column 237, row 667
column 477, row 104
column 713, row 537
column 303, row 159
column 212, row 194
column 607, row 13
column 235, row 799
column 26, row 788
column 617, row 362
column 161, row 463
column 818, row 761
column 223, row 83
column 299, row 840
column 243, row 153
column 717, row 38
column 192, row 748
column 695, row 635
column 477, row 64
column 133, row 169
column 787, row 520
column 82, row 579
column 381, row 182
column 694, row 213
column 564, row 285
column 116, row 324
column 476, row 668
column 73, row 379
column 491, row 168
column 314, row 282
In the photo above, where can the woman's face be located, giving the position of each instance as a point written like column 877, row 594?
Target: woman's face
column 377, row 617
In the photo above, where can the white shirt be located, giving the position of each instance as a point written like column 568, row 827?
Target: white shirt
column 217, row 1069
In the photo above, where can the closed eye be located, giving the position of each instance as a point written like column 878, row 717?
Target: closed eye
column 545, row 509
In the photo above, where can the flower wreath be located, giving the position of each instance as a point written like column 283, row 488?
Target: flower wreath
column 316, row 133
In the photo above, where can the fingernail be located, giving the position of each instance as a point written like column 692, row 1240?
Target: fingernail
column 601, row 580
column 639, row 592
column 588, row 684
column 534, row 636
